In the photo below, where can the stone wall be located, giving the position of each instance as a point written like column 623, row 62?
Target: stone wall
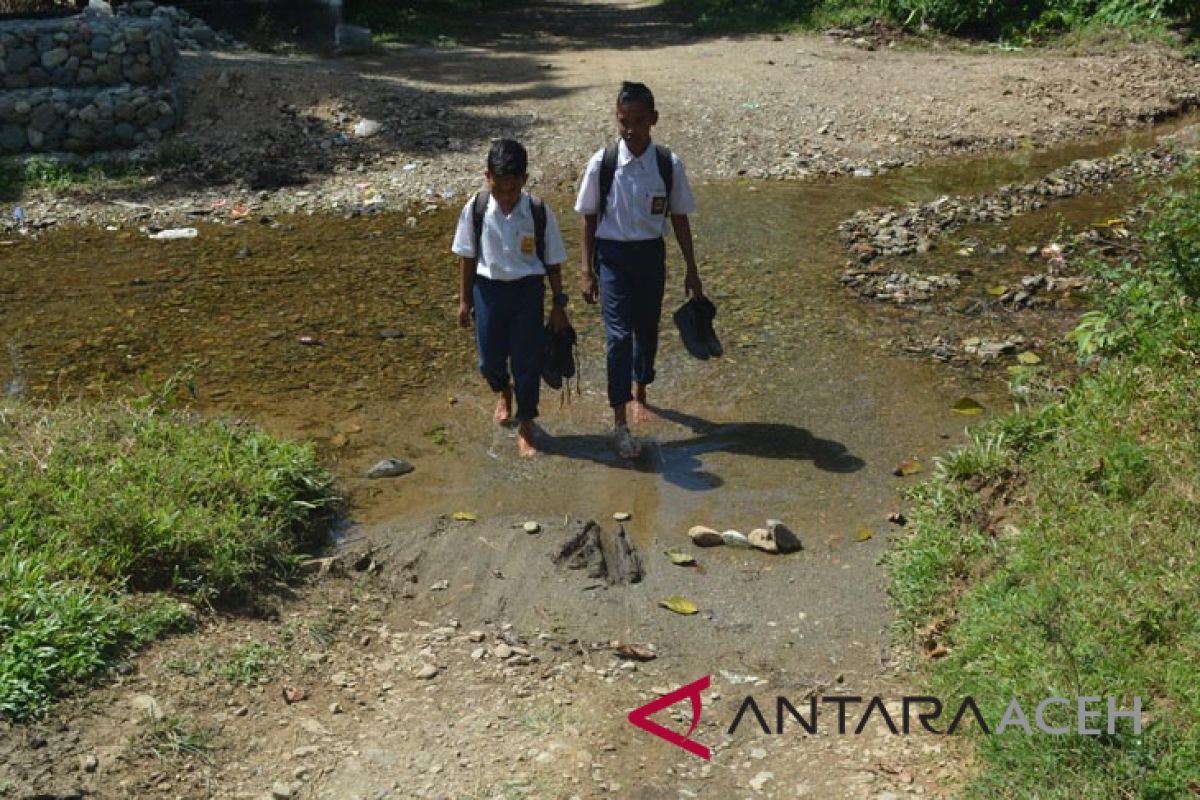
column 85, row 83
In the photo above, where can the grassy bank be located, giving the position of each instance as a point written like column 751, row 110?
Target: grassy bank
column 1059, row 552
column 117, row 520
column 974, row 18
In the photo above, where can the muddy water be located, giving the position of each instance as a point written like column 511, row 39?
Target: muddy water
column 341, row 331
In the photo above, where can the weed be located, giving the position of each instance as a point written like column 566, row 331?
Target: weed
column 174, row 739
column 247, row 664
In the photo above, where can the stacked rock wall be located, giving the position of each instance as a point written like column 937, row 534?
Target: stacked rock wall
column 85, row 83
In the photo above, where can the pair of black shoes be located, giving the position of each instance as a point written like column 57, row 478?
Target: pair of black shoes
column 695, row 322
column 558, row 356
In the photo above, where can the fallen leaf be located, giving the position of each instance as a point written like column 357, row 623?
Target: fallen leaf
column 997, row 291
column 635, row 652
column 680, row 605
column 937, row 651
column 679, row 559
column 864, row 534
column 1029, row 358
column 908, row 466
column 1194, row 788
column 464, row 516
column 968, row 407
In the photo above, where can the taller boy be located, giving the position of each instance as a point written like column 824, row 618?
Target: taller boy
column 629, row 191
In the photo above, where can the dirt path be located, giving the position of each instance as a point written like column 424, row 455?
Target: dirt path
column 758, row 106
column 453, row 659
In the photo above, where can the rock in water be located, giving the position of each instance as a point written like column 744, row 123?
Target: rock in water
column 390, row 468
column 705, row 537
column 784, row 539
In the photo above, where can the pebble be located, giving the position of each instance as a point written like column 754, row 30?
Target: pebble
column 622, row 516
column 426, row 672
column 532, row 527
column 390, row 468
column 705, row 537
column 735, row 539
column 502, row 650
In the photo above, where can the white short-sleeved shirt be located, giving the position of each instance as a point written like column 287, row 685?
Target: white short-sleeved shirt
column 509, row 242
column 637, row 193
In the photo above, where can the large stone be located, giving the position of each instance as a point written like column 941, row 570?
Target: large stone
column 37, row 139
column 351, row 39
column 12, row 138
column 784, row 539
column 705, row 537
column 139, row 73
column 55, row 57
column 43, row 117
column 20, row 60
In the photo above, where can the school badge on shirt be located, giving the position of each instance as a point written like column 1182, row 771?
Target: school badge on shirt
column 528, row 245
column 658, row 205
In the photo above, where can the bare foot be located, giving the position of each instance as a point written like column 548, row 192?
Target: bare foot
column 641, row 412
column 503, row 415
column 525, row 446
column 641, row 408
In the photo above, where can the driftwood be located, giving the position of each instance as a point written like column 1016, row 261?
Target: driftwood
column 607, row 556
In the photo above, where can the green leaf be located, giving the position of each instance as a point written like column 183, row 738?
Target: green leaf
column 679, row 559
column 680, row 605
column 968, row 407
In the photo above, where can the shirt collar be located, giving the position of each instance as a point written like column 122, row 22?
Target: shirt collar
column 625, row 155
column 519, row 210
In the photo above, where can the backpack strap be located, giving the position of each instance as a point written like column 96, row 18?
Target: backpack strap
column 608, row 171
column 666, row 171
column 478, row 210
column 539, row 226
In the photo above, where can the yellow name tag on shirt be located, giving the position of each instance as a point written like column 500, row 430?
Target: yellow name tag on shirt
column 528, row 245
column 658, row 205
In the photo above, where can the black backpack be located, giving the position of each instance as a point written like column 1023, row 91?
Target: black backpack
column 536, row 205
column 608, row 171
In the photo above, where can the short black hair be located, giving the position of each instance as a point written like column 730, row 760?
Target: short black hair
column 507, row 157
column 635, row 93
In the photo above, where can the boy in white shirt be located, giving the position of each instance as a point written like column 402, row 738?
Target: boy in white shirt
column 629, row 190
column 509, row 243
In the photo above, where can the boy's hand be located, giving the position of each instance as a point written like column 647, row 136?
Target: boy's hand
column 588, row 286
column 464, row 315
column 558, row 319
column 692, row 286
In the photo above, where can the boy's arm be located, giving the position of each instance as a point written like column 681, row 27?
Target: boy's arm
column 466, row 298
column 683, row 235
column 588, row 248
column 558, row 314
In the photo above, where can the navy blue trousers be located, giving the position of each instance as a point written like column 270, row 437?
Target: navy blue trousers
column 509, row 327
column 632, row 277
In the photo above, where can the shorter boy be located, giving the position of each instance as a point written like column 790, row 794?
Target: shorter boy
column 509, row 242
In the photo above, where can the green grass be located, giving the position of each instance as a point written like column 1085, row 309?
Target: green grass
column 22, row 174
column 175, row 739
column 1088, row 583
column 111, row 516
column 247, row 664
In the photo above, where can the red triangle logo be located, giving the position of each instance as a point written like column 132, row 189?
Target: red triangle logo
column 640, row 717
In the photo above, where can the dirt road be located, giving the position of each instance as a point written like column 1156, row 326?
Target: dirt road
column 443, row 658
